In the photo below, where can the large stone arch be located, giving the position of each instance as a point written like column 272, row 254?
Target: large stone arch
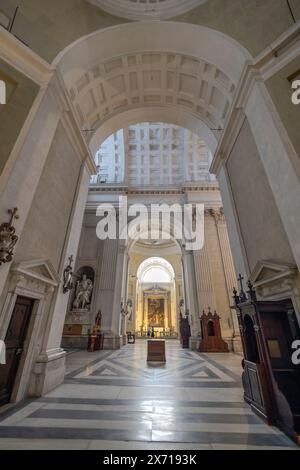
column 145, row 71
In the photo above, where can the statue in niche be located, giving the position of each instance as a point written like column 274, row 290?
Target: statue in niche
column 83, row 294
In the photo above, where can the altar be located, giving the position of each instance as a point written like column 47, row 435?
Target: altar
column 157, row 309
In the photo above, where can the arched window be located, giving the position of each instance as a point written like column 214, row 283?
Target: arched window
column 153, row 152
column 155, row 271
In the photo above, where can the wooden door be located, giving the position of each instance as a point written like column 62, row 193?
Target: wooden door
column 279, row 338
column 280, row 329
column 14, row 342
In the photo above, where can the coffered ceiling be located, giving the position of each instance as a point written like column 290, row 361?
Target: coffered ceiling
column 150, row 80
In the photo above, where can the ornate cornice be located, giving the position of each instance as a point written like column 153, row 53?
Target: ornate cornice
column 155, row 191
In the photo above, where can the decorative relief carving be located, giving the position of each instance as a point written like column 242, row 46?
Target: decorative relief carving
column 36, row 276
column 217, row 214
column 68, row 276
column 8, row 237
column 273, row 280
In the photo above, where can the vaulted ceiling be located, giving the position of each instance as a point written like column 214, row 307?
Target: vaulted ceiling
column 152, row 79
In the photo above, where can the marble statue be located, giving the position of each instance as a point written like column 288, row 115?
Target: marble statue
column 83, row 294
column 129, row 309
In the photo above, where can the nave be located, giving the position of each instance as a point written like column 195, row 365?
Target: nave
column 117, row 400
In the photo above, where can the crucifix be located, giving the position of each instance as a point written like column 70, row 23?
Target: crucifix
column 8, row 237
column 240, row 279
column 243, row 296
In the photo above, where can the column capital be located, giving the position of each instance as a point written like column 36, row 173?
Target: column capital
column 216, row 214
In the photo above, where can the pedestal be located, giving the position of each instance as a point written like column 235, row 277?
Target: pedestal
column 194, row 342
column 48, row 372
column 76, row 329
column 112, row 341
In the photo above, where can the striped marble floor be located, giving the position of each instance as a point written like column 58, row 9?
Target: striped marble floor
column 114, row 400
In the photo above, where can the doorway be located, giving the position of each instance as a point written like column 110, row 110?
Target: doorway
column 14, row 342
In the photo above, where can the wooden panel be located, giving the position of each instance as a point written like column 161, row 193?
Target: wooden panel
column 14, row 342
column 72, row 330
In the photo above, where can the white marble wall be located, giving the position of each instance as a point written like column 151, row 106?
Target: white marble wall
column 47, row 178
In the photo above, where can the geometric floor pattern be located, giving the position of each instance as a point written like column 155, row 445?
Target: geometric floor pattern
column 115, row 400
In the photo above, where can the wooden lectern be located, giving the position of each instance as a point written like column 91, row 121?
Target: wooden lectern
column 156, row 350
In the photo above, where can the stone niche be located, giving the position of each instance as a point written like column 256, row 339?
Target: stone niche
column 79, row 316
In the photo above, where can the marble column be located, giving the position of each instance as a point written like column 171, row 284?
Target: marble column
column 23, row 173
column 191, row 301
column 234, row 232
column 206, row 297
column 116, row 333
column 125, row 295
column 49, row 369
column 229, row 272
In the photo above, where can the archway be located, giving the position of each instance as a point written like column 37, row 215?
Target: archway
column 152, row 75
column 156, row 298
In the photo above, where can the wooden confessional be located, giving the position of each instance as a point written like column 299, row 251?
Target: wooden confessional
column 211, row 336
column 270, row 379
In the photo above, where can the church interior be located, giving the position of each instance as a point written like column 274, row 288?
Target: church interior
column 138, row 338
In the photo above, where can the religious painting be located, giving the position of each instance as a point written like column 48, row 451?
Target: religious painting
column 274, row 349
column 156, row 312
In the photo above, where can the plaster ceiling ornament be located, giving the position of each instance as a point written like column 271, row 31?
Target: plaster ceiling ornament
column 146, row 9
column 8, row 237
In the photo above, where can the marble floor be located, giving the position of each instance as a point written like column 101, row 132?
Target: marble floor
column 115, row 400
